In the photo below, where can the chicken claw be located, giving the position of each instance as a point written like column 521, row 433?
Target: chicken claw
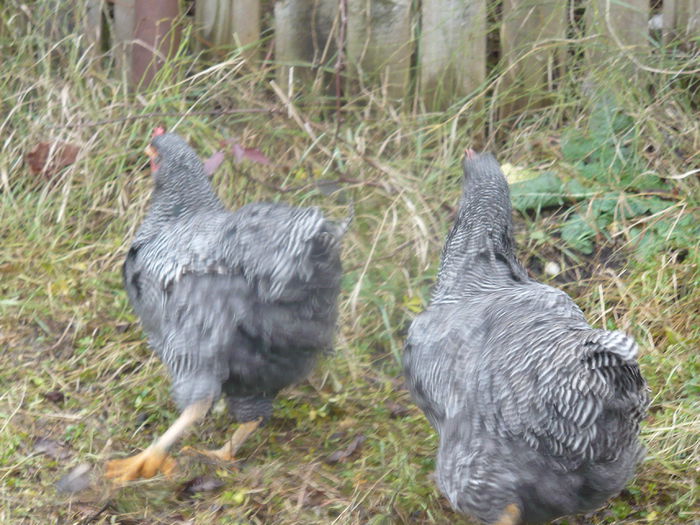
column 143, row 465
column 222, row 454
column 227, row 453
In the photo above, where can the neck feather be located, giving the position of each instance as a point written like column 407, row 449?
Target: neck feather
column 480, row 247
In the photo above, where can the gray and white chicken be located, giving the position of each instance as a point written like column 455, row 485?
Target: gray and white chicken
column 238, row 304
column 538, row 413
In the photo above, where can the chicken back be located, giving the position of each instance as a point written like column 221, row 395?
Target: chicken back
column 538, row 413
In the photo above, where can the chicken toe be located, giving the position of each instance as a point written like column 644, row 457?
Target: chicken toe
column 227, row 453
column 144, row 465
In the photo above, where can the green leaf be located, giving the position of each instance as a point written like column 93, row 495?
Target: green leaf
column 631, row 206
column 541, row 192
column 577, row 147
column 646, row 181
column 682, row 233
column 605, row 152
column 578, row 234
column 648, row 242
column 577, row 191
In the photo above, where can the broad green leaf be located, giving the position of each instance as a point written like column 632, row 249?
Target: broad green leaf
column 541, row 192
column 578, row 234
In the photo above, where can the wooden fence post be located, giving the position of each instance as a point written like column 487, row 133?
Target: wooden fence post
column 380, row 43
column 156, row 38
column 303, row 38
column 229, row 23
column 623, row 24
column 681, row 19
column 94, row 10
column 452, row 50
column 123, row 33
column 531, row 59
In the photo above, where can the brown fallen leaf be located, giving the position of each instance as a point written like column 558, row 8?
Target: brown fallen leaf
column 47, row 158
column 51, row 448
column 76, row 480
column 252, row 154
column 212, row 163
column 340, row 455
column 55, row 396
column 397, row 410
column 205, row 483
column 313, row 498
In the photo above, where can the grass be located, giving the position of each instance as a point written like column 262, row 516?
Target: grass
column 76, row 369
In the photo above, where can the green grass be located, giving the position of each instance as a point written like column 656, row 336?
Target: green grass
column 74, row 364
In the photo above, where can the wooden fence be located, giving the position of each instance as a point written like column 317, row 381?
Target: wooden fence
column 438, row 49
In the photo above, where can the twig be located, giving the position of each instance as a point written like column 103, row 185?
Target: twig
column 167, row 114
column 391, row 255
column 683, row 175
column 92, row 517
column 647, row 219
column 304, row 187
column 17, row 408
column 340, row 60
column 294, row 114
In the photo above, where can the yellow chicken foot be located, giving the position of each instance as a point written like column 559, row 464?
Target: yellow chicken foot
column 155, row 458
column 510, row 516
column 144, row 465
column 227, row 453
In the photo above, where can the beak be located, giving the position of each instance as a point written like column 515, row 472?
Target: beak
column 153, row 155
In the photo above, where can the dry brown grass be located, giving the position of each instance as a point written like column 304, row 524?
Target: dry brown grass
column 76, row 369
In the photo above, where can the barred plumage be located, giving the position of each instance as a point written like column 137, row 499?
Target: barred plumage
column 239, row 303
column 535, row 409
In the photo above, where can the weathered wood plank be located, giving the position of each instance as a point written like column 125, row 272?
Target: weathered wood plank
column 304, row 38
column 531, row 59
column 156, row 38
column 123, row 25
column 452, row 48
column 380, row 43
column 681, row 19
column 229, row 23
column 622, row 24
column 93, row 23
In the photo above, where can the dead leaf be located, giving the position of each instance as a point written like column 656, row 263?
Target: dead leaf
column 212, row 163
column 314, row 498
column 55, row 396
column 397, row 410
column 47, row 158
column 51, row 448
column 205, row 483
column 122, row 327
column 340, row 455
column 252, row 154
column 76, row 480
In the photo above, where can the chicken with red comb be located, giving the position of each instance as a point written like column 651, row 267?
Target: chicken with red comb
column 236, row 304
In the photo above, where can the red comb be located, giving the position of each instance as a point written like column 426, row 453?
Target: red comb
column 470, row 153
column 158, row 131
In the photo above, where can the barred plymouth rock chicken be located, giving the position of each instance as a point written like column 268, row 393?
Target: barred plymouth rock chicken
column 237, row 304
column 538, row 413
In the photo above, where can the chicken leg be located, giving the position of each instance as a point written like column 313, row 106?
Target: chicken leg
column 227, row 453
column 155, row 458
column 510, row 516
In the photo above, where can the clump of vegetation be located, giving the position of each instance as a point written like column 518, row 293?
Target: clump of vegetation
column 609, row 186
column 606, row 208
